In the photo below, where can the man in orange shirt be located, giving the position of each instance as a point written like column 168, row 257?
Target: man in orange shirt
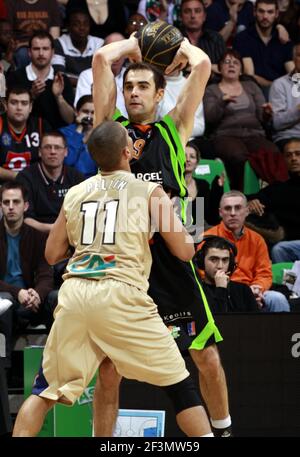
column 253, row 261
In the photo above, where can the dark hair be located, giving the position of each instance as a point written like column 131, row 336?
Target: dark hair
column 41, row 34
column 8, row 185
column 159, row 79
column 18, row 90
column 74, row 11
column 186, row 1
column 290, row 140
column 233, row 53
column 55, row 133
column 218, row 242
column 191, row 144
column 268, row 2
column 82, row 100
column 106, row 143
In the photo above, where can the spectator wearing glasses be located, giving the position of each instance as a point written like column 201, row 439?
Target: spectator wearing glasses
column 48, row 182
column 253, row 261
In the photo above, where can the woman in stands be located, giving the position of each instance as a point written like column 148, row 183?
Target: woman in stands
column 237, row 111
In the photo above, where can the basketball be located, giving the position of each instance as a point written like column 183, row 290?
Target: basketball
column 159, row 43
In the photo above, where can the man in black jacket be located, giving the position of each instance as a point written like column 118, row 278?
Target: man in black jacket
column 281, row 200
column 26, row 279
column 216, row 259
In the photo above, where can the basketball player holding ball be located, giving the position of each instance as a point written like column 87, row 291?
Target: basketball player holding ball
column 159, row 157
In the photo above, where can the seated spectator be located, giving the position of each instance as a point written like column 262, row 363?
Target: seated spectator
column 27, row 16
column 20, row 134
column 76, row 136
column 26, row 279
column 135, row 22
column 7, row 45
column 229, row 17
column 289, row 15
column 264, row 56
column 216, row 259
column 280, row 198
column 85, row 81
column 48, row 182
column 200, row 188
column 284, row 97
column 193, row 16
column 236, row 109
column 166, row 10
column 106, row 16
column 52, row 92
column 253, row 262
column 74, row 50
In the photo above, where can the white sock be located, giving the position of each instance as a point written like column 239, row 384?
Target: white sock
column 208, row 435
column 221, row 423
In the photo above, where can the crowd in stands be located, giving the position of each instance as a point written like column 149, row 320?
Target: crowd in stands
column 250, row 114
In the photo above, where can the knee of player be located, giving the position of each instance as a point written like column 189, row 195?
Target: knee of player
column 183, row 395
column 208, row 361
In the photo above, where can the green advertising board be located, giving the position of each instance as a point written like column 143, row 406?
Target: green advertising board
column 64, row 421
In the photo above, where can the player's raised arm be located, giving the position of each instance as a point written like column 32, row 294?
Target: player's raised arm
column 192, row 94
column 162, row 213
column 104, row 86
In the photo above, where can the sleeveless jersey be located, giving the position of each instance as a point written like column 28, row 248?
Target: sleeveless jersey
column 158, row 154
column 108, row 224
column 19, row 150
column 175, row 286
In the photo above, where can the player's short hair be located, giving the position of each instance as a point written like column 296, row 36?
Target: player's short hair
column 106, row 143
column 159, row 79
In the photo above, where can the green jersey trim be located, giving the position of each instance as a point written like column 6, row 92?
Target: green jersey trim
column 210, row 329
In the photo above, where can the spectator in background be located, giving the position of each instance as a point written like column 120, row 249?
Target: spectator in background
column 264, row 56
column 7, row 45
column 289, row 17
column 135, row 22
column 200, row 188
column 107, row 16
column 25, row 277
column 164, row 10
column 76, row 136
column 236, row 109
column 193, row 16
column 229, row 17
column 216, row 259
column 284, row 97
column 253, row 262
column 281, row 200
column 52, row 92
column 85, row 81
column 28, row 16
column 20, row 134
column 48, row 182
column 74, row 50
